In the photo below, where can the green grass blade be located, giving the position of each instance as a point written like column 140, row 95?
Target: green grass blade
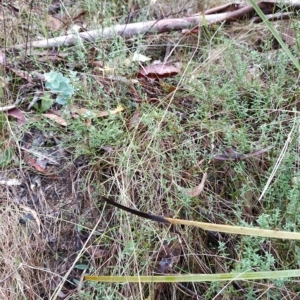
column 198, row 277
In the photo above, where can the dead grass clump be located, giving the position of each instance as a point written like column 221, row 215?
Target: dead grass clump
column 21, row 255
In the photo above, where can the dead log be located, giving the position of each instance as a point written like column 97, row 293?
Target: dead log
column 226, row 13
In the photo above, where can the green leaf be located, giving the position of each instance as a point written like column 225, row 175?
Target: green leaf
column 81, row 267
column 60, row 85
column 51, row 76
column 46, row 103
column 6, row 156
column 63, row 86
column 55, row 85
column 79, row 227
column 3, row 120
column 61, row 100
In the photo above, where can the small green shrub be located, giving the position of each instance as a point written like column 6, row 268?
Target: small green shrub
column 60, row 85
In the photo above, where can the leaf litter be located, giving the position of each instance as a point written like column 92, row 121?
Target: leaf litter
column 58, row 195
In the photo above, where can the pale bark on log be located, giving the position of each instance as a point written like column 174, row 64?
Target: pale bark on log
column 126, row 31
column 229, row 12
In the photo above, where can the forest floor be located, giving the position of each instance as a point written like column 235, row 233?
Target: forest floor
column 225, row 106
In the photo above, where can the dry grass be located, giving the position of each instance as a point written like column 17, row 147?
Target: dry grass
column 22, row 256
column 231, row 96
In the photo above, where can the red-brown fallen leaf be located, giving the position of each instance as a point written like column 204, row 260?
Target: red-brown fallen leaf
column 190, row 31
column 56, row 118
column 160, row 70
column 134, row 120
column 167, row 87
column 18, row 114
column 88, row 122
column 30, row 161
column 135, row 94
column 23, row 74
column 79, row 16
column 153, row 100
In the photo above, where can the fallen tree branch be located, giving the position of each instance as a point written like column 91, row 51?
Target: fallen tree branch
column 126, row 31
column 225, row 13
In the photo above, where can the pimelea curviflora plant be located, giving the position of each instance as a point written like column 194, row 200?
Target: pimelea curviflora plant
column 60, row 85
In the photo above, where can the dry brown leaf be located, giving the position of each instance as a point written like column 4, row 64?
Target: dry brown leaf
column 168, row 87
column 196, row 191
column 135, row 93
column 54, row 23
column 187, row 32
column 80, row 16
column 33, row 213
column 88, row 122
column 160, row 70
column 18, row 114
column 168, row 255
column 30, row 161
column 232, row 154
column 79, row 111
column 23, row 74
column 103, row 113
column 134, row 120
column 289, row 36
column 56, row 118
